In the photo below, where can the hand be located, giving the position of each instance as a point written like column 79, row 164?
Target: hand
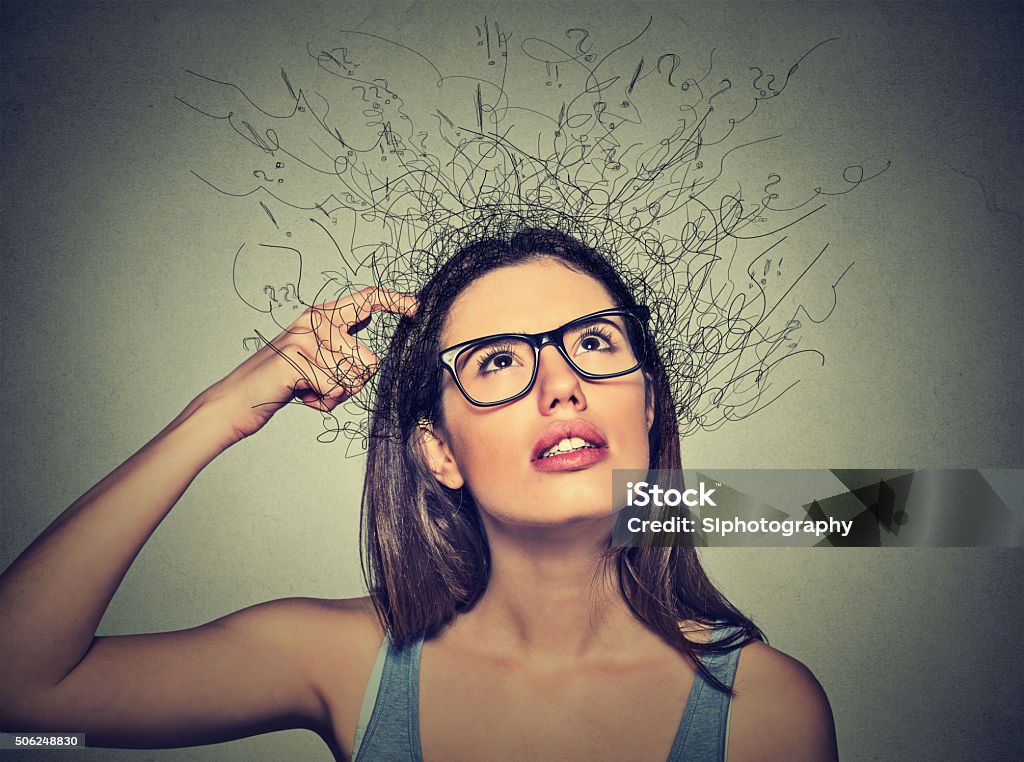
column 316, row 359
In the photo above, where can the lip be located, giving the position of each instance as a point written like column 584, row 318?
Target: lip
column 560, row 430
column 571, row 461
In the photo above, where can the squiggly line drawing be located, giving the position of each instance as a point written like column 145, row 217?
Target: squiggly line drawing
column 634, row 151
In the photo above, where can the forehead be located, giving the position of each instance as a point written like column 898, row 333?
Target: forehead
column 529, row 297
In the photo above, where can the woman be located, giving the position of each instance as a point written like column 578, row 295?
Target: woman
column 513, row 630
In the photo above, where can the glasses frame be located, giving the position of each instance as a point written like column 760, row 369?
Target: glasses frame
column 449, row 357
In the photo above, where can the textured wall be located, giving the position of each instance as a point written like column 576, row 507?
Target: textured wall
column 118, row 308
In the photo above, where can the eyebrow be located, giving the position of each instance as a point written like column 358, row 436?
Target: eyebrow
column 603, row 319
column 521, row 330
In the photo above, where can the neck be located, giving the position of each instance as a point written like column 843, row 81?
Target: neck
column 552, row 596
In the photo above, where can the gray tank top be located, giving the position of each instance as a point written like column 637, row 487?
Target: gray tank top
column 391, row 731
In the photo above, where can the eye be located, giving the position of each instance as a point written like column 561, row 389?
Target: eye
column 595, row 339
column 497, row 359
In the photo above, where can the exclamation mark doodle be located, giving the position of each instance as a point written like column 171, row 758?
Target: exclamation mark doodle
column 502, row 41
column 487, row 36
column 269, row 214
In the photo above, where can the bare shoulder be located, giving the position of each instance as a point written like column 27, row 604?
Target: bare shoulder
column 779, row 710
column 341, row 641
column 342, row 632
column 351, row 622
column 334, row 642
column 357, row 613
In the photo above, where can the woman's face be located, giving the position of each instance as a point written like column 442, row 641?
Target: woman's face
column 497, row 451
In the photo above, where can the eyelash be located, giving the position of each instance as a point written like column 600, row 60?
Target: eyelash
column 507, row 350
column 483, row 361
column 601, row 333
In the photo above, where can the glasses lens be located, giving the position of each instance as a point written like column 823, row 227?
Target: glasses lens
column 495, row 370
column 605, row 345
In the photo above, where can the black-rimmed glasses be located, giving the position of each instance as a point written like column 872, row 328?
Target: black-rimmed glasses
column 493, row 370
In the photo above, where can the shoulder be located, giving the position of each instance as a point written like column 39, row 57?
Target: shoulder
column 349, row 624
column 779, row 710
column 356, row 613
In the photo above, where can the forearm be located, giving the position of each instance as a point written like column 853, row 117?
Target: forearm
column 53, row 596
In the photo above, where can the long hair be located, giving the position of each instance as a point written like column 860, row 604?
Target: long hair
column 424, row 550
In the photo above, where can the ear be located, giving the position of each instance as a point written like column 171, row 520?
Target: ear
column 437, row 454
column 649, row 399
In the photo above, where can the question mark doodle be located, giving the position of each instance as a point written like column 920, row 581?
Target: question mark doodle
column 257, row 343
column 270, row 292
column 294, row 298
column 728, row 84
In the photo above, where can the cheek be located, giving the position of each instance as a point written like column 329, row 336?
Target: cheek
column 635, row 426
column 479, row 441
column 490, row 471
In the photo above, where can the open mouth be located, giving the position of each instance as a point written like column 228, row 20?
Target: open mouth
column 568, row 444
column 566, row 440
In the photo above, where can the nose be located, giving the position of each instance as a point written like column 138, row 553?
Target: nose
column 557, row 382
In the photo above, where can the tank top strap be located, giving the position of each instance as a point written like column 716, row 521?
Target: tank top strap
column 701, row 736
column 392, row 733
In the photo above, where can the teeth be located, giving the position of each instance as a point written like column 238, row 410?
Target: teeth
column 568, row 445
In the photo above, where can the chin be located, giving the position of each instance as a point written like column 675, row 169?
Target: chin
column 559, row 507
column 576, row 519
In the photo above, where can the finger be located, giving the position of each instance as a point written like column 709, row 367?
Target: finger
column 376, row 299
column 327, row 365
column 316, row 329
column 354, row 364
column 333, row 338
column 340, row 373
column 357, row 308
column 318, row 388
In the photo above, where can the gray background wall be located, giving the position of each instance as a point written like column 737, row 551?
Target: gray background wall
column 118, row 308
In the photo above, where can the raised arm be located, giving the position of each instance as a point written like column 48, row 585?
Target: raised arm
column 244, row 674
